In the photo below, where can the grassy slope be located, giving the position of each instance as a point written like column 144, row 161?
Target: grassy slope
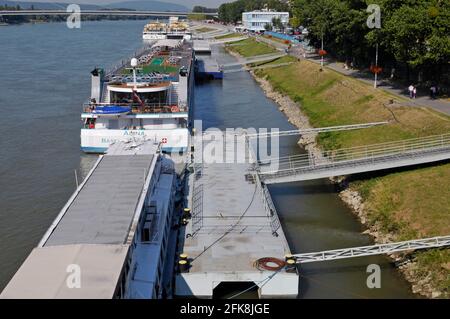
column 409, row 204
column 204, row 29
column 285, row 59
column 228, row 36
column 250, row 47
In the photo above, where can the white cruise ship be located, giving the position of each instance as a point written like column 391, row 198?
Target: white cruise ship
column 149, row 99
column 175, row 29
column 155, row 31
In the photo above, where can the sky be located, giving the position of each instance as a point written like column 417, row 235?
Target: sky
column 188, row 3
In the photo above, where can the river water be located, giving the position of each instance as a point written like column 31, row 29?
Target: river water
column 44, row 80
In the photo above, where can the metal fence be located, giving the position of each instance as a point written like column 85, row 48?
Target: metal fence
column 197, row 209
column 426, row 243
column 389, row 151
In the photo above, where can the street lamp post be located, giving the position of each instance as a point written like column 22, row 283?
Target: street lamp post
column 375, row 84
column 321, row 60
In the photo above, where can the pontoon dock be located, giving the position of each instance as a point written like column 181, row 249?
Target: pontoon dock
column 233, row 225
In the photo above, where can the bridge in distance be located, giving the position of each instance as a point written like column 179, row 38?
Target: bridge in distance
column 103, row 12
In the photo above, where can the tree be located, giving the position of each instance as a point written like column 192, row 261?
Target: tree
column 294, row 22
column 268, row 27
column 200, row 9
column 277, row 24
column 414, row 33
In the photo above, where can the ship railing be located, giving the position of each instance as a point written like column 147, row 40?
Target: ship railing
column 269, row 207
column 197, row 208
column 125, row 62
column 148, row 108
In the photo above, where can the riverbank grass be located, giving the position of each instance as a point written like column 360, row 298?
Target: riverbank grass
column 227, row 36
column 250, row 47
column 329, row 98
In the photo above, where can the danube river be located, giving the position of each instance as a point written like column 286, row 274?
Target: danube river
column 45, row 79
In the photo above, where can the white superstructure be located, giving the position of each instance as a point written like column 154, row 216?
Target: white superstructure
column 257, row 20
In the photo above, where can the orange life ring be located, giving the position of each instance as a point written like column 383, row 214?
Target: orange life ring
column 174, row 109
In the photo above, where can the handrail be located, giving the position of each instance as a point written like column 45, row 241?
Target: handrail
column 370, row 152
column 138, row 109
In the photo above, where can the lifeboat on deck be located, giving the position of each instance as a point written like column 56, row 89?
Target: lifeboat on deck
column 111, row 110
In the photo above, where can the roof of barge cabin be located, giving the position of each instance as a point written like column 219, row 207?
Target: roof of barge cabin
column 92, row 231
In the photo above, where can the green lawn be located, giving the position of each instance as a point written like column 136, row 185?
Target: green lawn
column 284, row 59
column 250, row 47
column 228, row 36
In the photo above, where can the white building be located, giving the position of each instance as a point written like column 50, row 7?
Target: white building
column 256, row 20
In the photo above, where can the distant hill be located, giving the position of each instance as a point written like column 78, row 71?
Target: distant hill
column 132, row 5
column 148, row 5
column 46, row 5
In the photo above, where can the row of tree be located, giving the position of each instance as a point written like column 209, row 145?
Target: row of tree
column 232, row 12
column 414, row 34
column 200, row 9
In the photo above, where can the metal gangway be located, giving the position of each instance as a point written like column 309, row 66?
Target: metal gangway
column 379, row 249
column 354, row 160
column 317, row 130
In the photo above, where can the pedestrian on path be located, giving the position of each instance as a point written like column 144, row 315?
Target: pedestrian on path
column 433, row 92
column 414, row 92
column 411, row 91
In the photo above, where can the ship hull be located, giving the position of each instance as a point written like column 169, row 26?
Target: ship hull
column 98, row 140
column 154, row 36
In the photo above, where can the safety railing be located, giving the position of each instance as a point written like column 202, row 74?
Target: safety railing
column 269, row 207
column 371, row 153
column 124, row 62
column 197, row 208
column 235, row 229
column 378, row 249
column 136, row 108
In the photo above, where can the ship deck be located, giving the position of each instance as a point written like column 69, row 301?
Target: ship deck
column 94, row 230
column 103, row 209
column 230, row 230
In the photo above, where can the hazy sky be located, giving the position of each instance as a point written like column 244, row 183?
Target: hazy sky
column 188, row 3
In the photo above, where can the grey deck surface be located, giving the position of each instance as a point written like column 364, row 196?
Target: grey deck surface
column 103, row 210
column 227, row 195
